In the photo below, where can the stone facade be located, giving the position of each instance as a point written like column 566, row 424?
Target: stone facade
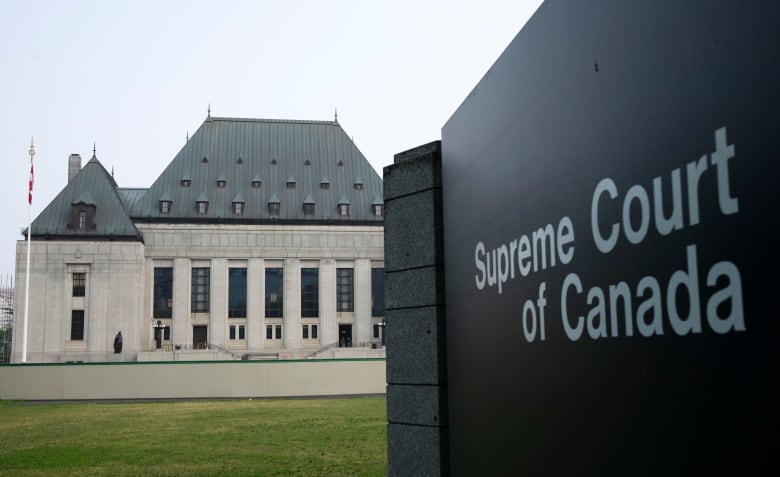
column 111, row 300
column 120, row 280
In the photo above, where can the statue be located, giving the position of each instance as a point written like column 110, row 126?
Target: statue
column 118, row 343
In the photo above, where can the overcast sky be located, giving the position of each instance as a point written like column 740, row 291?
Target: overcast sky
column 135, row 77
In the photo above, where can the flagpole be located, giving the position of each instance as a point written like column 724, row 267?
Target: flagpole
column 27, row 274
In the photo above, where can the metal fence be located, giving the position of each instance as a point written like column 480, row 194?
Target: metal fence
column 6, row 317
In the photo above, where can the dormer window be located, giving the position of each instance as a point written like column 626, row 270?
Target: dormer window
column 308, row 207
column 378, row 206
column 256, row 182
column 185, row 181
column 273, row 207
column 238, row 205
column 343, row 207
column 358, row 184
column 291, row 182
column 83, row 217
column 83, row 212
column 324, row 183
column 221, row 182
column 165, row 203
column 202, row 204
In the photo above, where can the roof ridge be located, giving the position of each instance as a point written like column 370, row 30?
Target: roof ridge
column 268, row 120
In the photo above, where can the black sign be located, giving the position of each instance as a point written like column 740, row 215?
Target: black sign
column 610, row 207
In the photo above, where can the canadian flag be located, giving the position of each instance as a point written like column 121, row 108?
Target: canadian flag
column 32, row 176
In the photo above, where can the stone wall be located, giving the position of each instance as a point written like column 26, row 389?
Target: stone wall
column 417, row 428
column 190, row 380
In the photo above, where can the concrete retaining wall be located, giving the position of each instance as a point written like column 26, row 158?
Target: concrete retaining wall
column 165, row 380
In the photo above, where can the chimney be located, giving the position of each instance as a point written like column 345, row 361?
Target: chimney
column 74, row 166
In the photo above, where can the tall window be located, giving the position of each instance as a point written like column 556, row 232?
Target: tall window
column 77, row 325
column 82, row 219
column 201, row 289
column 237, row 293
column 344, row 210
column 274, row 293
column 79, row 283
column 345, row 289
column 273, row 209
column 163, row 292
column 310, row 297
column 377, row 292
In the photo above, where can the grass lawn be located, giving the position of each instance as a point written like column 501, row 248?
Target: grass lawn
column 308, row 437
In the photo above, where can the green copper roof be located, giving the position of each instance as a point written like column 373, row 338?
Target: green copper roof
column 92, row 186
column 260, row 160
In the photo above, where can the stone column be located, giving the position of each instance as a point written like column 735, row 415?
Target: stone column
column 292, row 305
column 218, row 310
column 182, row 276
column 328, row 329
column 363, row 331
column 417, row 421
column 255, row 304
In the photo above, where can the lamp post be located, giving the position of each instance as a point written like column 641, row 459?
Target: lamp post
column 158, row 327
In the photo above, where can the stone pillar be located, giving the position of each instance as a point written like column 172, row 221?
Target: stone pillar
column 417, row 421
column 292, row 304
column 363, row 329
column 255, row 304
column 329, row 332
column 218, row 309
column 182, row 277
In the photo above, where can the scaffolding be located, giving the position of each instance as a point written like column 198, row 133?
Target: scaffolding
column 6, row 317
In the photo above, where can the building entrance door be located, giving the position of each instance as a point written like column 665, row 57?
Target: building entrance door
column 200, row 337
column 345, row 336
